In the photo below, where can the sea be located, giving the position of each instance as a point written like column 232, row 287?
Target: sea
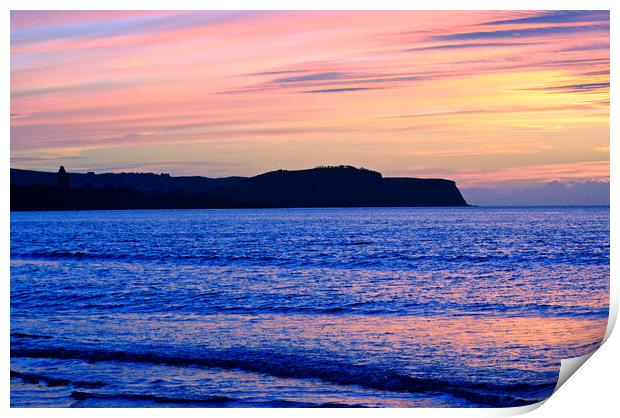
column 343, row 307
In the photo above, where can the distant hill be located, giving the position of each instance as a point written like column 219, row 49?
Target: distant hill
column 341, row 186
column 568, row 193
column 144, row 182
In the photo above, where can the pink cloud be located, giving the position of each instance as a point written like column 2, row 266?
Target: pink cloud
column 402, row 84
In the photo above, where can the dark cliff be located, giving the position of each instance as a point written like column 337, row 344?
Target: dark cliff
column 341, row 186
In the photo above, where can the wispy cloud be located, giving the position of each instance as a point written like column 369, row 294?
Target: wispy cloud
column 494, row 110
column 524, row 33
column 472, row 45
column 104, row 85
column 338, row 90
column 584, row 87
column 337, row 81
column 333, row 75
column 590, row 47
column 532, row 174
column 557, row 16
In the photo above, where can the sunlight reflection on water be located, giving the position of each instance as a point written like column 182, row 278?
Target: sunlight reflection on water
column 389, row 307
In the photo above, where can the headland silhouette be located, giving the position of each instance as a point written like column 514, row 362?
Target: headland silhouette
column 333, row 186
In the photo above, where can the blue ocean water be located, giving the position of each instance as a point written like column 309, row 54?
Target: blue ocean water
column 376, row 307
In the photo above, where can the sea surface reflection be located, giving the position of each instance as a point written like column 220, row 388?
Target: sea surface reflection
column 303, row 307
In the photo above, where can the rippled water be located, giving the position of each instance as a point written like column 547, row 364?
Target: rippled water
column 303, row 307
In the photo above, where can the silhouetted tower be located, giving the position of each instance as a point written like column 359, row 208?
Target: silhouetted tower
column 62, row 179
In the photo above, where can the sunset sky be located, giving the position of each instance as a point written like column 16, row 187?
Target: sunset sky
column 489, row 99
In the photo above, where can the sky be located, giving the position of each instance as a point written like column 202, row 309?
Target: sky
column 490, row 99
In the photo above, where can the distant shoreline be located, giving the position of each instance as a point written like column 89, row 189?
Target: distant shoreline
column 321, row 187
column 332, row 207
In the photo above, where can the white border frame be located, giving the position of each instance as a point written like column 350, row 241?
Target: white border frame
column 592, row 391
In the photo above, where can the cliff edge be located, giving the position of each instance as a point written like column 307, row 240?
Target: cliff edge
column 341, row 186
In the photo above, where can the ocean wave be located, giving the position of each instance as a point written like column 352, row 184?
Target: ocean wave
column 119, row 398
column 32, row 336
column 379, row 258
column 80, row 396
column 201, row 305
column 211, row 401
column 53, row 381
column 302, row 368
